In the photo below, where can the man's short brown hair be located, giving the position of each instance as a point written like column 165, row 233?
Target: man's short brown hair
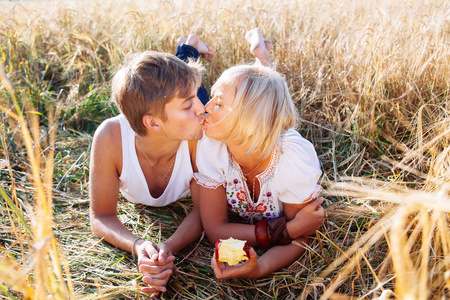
column 150, row 80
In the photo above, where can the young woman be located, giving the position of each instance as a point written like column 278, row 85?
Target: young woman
column 253, row 162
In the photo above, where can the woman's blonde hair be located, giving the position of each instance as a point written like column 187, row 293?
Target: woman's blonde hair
column 262, row 107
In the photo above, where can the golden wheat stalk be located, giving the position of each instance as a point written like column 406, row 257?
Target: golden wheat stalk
column 47, row 270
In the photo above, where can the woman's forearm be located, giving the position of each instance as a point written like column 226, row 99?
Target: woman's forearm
column 238, row 231
column 279, row 257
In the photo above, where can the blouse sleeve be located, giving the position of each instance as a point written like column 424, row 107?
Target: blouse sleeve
column 296, row 177
column 212, row 162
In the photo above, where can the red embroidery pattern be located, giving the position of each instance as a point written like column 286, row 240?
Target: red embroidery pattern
column 207, row 182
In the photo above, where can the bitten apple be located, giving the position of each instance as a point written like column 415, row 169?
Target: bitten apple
column 231, row 251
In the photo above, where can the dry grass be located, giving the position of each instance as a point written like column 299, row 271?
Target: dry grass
column 371, row 80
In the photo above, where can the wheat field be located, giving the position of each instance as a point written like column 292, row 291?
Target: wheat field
column 371, row 80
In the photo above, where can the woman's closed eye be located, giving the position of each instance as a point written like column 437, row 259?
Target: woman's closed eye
column 218, row 104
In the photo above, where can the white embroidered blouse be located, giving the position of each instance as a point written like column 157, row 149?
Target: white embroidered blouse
column 290, row 177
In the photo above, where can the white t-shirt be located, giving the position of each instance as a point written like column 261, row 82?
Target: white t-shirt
column 291, row 176
column 133, row 185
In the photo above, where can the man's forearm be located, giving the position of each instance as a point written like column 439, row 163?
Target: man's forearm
column 111, row 230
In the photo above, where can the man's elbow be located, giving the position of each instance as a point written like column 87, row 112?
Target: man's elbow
column 97, row 223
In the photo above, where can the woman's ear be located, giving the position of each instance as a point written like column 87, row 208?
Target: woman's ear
column 151, row 123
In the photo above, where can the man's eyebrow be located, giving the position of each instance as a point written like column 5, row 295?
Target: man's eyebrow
column 188, row 99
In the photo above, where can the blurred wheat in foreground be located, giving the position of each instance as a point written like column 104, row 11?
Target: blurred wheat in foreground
column 371, row 80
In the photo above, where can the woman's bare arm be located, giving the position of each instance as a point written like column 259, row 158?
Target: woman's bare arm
column 214, row 215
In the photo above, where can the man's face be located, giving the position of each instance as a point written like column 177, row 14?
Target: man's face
column 185, row 118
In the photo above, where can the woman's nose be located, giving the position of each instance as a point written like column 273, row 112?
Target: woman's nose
column 200, row 109
column 208, row 106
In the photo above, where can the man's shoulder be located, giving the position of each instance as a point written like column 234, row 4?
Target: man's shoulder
column 107, row 145
column 109, row 129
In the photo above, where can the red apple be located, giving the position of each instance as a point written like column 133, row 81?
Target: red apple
column 231, row 251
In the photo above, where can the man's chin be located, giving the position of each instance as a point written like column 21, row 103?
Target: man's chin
column 197, row 136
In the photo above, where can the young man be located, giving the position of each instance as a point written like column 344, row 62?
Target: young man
column 145, row 155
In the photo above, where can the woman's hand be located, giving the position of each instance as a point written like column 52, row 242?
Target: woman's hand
column 249, row 269
column 307, row 220
column 156, row 264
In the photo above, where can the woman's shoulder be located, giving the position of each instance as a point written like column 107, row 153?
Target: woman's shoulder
column 211, row 153
column 205, row 151
column 210, row 145
column 212, row 162
column 292, row 143
column 298, row 169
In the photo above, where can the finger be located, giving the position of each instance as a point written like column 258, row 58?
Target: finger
column 168, row 259
column 159, row 276
column 315, row 204
column 150, row 249
column 220, row 265
column 322, row 199
column 252, row 254
column 215, row 266
column 153, row 289
column 155, row 269
column 149, row 261
column 164, row 256
column 320, row 210
column 155, row 282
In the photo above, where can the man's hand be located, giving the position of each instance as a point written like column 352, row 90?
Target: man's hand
column 156, row 264
column 248, row 269
column 307, row 220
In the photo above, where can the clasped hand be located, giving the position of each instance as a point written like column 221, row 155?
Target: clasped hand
column 156, row 264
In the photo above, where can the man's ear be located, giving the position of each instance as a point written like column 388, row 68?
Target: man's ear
column 151, row 122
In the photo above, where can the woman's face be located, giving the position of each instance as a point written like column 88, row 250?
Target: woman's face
column 218, row 112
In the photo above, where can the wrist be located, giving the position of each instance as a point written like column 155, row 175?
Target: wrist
column 167, row 245
column 278, row 231
column 262, row 235
column 260, row 271
column 135, row 246
column 294, row 228
column 272, row 232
